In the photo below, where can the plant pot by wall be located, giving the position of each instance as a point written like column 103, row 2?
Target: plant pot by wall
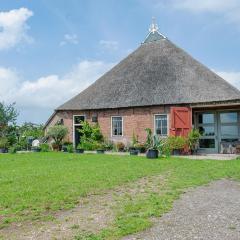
column 176, row 152
column 100, row 151
column 133, row 152
column 35, row 149
column 64, row 148
column 3, row 150
column 194, row 151
column 80, row 150
column 152, row 153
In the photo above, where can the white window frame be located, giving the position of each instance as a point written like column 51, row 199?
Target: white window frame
column 112, row 135
column 154, row 120
column 77, row 124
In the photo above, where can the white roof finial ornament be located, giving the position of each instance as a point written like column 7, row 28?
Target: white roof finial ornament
column 153, row 27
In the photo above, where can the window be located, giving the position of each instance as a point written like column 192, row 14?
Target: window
column 230, row 117
column 78, row 119
column 207, row 143
column 206, row 118
column 161, row 125
column 77, row 125
column 117, row 126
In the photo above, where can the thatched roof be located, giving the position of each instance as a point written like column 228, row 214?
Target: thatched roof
column 157, row 73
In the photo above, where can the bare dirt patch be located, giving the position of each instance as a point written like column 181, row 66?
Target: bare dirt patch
column 92, row 214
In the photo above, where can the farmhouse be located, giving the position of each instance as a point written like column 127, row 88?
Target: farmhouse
column 158, row 86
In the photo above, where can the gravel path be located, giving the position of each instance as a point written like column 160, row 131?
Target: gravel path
column 207, row 213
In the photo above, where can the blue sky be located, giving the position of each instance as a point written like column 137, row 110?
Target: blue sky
column 51, row 50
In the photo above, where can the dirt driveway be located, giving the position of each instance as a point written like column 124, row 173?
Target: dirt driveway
column 208, row 212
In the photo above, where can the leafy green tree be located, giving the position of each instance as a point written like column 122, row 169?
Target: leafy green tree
column 8, row 116
column 29, row 130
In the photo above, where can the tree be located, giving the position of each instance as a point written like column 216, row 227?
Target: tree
column 58, row 133
column 29, row 130
column 8, row 116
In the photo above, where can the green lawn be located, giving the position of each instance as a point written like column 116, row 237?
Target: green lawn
column 35, row 185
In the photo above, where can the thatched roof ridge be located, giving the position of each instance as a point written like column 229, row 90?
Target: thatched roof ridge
column 157, row 73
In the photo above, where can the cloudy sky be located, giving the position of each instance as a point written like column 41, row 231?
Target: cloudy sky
column 51, row 50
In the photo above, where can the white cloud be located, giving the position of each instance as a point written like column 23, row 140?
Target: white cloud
column 228, row 9
column 69, row 38
column 109, row 45
column 13, row 27
column 206, row 5
column 231, row 77
column 49, row 91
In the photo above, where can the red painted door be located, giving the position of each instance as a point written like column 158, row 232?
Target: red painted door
column 181, row 121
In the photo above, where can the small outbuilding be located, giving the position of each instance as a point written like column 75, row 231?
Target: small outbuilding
column 158, row 86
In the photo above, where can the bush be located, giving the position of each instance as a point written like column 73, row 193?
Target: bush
column 140, row 147
column 108, row 145
column 120, row 146
column 177, row 142
column 4, row 142
column 70, row 148
column 91, row 132
column 193, row 139
column 12, row 150
column 88, row 145
column 91, row 137
column 44, row 147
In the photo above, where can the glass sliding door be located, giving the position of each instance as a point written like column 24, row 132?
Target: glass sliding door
column 228, row 127
column 207, row 125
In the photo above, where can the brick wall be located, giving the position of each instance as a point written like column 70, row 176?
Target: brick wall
column 134, row 120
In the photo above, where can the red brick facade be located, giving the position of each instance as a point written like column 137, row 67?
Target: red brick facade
column 135, row 120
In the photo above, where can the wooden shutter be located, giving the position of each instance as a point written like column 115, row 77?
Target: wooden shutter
column 181, row 121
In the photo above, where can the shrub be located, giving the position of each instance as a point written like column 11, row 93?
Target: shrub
column 4, row 142
column 134, row 140
column 120, row 146
column 177, row 142
column 193, row 139
column 44, row 147
column 108, row 145
column 12, row 150
column 70, row 148
column 88, row 145
column 58, row 133
column 91, row 137
column 141, row 147
column 91, row 132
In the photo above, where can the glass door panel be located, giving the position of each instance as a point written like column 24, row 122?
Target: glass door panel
column 207, row 125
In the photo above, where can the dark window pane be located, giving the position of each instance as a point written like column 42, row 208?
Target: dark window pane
column 229, row 130
column 117, row 126
column 161, row 124
column 78, row 119
column 230, row 117
column 206, row 118
column 231, row 140
column 207, row 130
column 207, row 143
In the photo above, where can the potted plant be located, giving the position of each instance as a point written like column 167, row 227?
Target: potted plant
column 177, row 144
column 35, row 149
column 193, row 140
column 120, row 146
column 3, row 145
column 80, row 148
column 132, row 149
column 57, row 133
column 152, row 144
column 141, row 147
column 100, row 148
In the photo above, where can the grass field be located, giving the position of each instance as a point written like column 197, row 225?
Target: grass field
column 34, row 186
